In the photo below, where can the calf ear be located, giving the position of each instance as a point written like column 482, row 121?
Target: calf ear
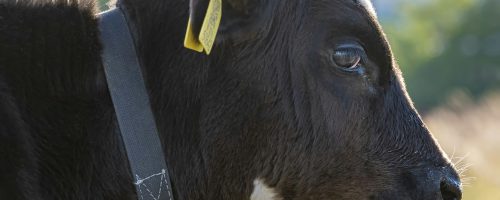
column 241, row 19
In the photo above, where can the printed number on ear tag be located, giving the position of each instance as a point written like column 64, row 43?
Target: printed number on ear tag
column 208, row 31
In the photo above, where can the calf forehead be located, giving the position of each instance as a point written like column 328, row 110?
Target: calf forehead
column 365, row 4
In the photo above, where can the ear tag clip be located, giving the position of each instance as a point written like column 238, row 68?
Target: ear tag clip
column 208, row 31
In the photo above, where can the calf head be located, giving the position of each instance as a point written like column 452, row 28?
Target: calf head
column 307, row 99
column 300, row 99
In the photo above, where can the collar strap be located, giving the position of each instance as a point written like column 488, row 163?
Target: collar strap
column 133, row 109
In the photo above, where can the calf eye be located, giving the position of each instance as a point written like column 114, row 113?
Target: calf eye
column 348, row 57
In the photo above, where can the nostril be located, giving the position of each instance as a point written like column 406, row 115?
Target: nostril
column 450, row 190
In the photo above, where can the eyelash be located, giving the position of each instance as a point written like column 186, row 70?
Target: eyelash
column 348, row 57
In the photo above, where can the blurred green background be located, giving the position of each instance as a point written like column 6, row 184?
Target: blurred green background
column 449, row 52
column 444, row 45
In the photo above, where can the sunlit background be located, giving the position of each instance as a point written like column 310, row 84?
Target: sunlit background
column 449, row 52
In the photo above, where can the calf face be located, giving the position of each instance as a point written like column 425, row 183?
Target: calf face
column 325, row 104
column 299, row 99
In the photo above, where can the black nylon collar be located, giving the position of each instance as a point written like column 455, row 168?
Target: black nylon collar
column 133, row 109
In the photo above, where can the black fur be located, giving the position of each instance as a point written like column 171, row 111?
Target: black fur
column 265, row 104
column 57, row 118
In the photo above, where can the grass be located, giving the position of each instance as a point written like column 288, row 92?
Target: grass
column 470, row 133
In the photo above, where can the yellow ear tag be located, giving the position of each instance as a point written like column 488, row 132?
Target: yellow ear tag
column 190, row 41
column 208, row 31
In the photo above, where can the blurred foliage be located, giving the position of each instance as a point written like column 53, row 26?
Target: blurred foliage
column 449, row 51
column 446, row 45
